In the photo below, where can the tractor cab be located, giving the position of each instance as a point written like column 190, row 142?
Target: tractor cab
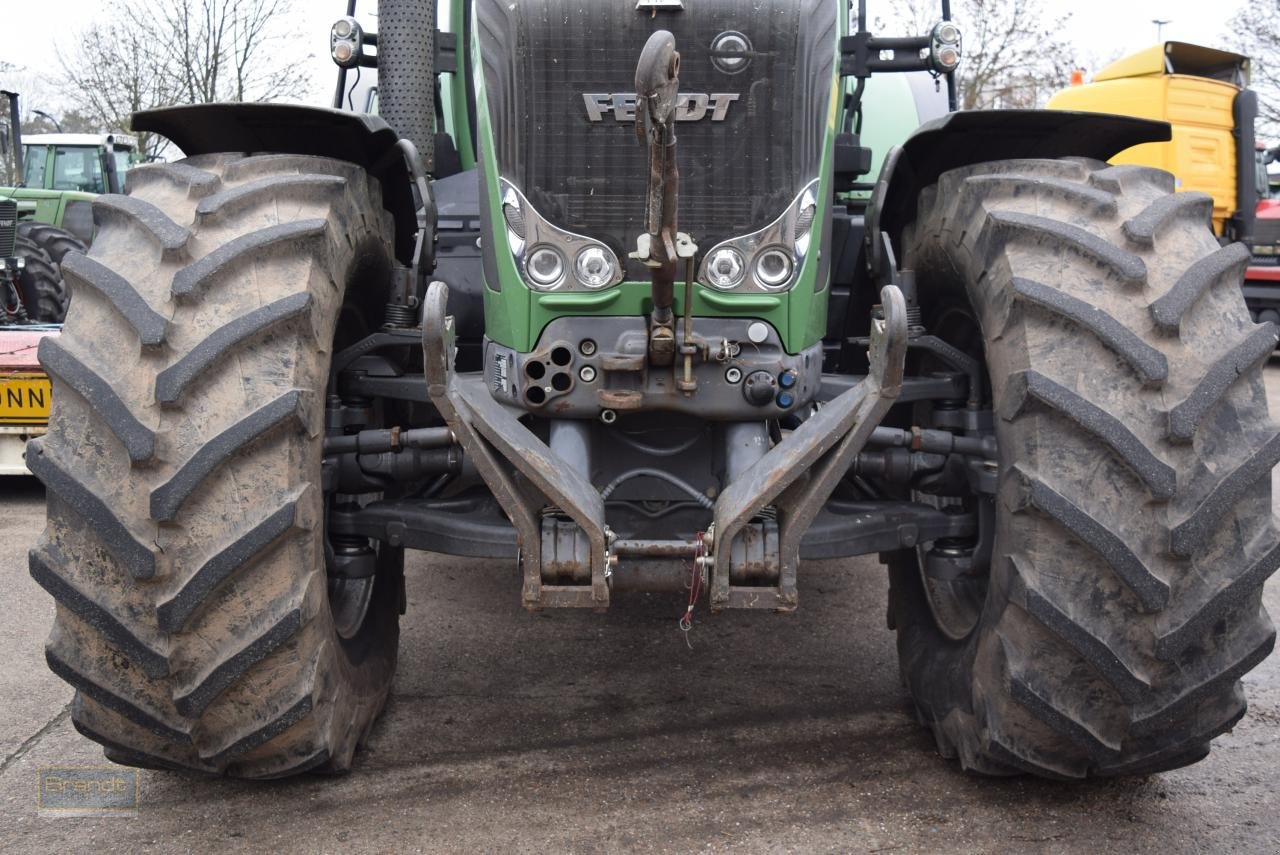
column 87, row 163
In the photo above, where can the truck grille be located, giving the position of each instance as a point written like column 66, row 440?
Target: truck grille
column 8, row 227
column 1266, row 240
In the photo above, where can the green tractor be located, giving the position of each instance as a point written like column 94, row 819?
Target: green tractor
column 670, row 334
column 56, row 178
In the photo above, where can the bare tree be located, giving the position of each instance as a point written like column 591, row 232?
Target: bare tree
column 184, row 51
column 1015, row 53
column 1255, row 32
column 114, row 71
column 224, row 50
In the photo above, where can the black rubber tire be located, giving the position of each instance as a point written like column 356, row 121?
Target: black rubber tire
column 52, row 239
column 1134, row 527
column 184, row 544
column 44, row 294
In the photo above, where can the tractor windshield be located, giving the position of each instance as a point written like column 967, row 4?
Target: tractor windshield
column 78, row 168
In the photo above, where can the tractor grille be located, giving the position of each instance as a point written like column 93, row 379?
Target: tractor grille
column 541, row 57
column 8, row 227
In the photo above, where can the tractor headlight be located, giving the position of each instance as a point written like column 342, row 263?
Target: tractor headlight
column 773, row 268
column 947, row 33
column 725, row 268
column 595, row 267
column 545, row 267
column 944, row 47
column 548, row 257
column 346, row 42
column 771, row 258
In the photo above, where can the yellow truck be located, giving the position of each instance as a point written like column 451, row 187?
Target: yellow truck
column 1202, row 92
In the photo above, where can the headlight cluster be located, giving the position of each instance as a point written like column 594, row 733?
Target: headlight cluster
column 944, row 47
column 766, row 260
column 346, row 42
column 550, row 258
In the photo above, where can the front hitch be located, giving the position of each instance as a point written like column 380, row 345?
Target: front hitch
column 568, row 553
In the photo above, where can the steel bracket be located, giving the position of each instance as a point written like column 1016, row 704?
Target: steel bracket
column 798, row 474
column 489, row 433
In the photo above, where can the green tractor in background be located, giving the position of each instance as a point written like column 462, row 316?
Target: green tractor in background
column 520, row 318
column 55, row 179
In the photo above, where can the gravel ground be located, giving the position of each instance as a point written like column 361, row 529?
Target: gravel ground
column 572, row 731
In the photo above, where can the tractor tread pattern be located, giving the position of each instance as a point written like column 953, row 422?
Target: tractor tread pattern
column 174, row 612
column 150, row 326
column 1195, row 529
column 1056, row 719
column 42, row 567
column 266, row 189
column 1185, row 417
column 60, row 363
column 1151, row 590
column 1015, row 225
column 1230, row 595
column 138, row 559
column 111, row 700
column 192, row 703
column 197, row 182
column 1143, row 228
column 1089, row 647
column 172, row 237
column 1149, row 363
column 167, row 499
column 1019, row 183
column 172, row 382
column 1159, row 476
column 259, row 736
column 199, row 276
column 1229, row 261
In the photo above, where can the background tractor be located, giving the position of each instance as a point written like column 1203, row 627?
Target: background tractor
column 55, row 178
column 609, row 294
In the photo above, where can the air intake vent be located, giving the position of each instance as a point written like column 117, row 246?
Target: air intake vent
column 8, row 227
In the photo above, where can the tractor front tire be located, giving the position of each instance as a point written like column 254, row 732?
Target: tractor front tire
column 1133, row 515
column 52, row 239
column 44, row 293
column 185, row 544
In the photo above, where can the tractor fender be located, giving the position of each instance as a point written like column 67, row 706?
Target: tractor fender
column 971, row 136
column 359, row 138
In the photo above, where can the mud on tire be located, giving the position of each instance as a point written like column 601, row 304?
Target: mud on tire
column 184, row 544
column 1134, row 527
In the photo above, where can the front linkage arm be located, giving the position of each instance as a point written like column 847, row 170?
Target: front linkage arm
column 798, row 475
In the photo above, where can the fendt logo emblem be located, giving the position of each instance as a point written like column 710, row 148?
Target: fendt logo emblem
column 690, row 106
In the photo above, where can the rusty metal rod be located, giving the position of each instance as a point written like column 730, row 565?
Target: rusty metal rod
column 655, row 548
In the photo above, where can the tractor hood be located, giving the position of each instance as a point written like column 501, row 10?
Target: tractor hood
column 755, row 82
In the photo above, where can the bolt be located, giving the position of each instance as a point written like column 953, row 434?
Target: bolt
column 733, row 375
column 587, row 373
column 587, row 347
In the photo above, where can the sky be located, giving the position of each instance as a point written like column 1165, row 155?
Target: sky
column 1102, row 29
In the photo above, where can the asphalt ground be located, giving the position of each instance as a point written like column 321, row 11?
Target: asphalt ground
column 583, row 732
